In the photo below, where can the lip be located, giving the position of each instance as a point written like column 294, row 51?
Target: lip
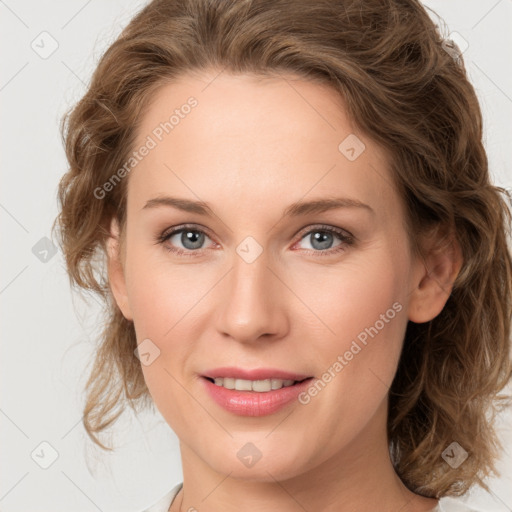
column 253, row 403
column 256, row 374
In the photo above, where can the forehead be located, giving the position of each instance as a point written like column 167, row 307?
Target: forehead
column 274, row 139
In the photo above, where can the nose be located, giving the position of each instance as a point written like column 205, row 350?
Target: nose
column 252, row 302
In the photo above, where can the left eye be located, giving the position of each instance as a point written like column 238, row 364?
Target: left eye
column 322, row 239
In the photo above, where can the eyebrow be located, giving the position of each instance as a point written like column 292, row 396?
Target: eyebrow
column 294, row 210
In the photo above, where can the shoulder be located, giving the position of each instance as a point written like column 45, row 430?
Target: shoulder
column 163, row 504
column 453, row 505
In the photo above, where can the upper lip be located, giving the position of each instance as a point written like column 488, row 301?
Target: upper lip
column 255, row 374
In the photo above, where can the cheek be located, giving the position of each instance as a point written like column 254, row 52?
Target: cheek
column 166, row 300
column 357, row 364
column 162, row 308
column 349, row 299
column 363, row 306
column 159, row 291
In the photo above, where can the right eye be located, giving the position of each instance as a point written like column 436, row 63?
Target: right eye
column 190, row 238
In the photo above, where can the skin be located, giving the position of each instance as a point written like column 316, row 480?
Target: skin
column 249, row 149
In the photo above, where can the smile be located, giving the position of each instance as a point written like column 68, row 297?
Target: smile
column 260, row 386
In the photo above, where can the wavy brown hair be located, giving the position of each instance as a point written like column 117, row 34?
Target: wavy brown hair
column 405, row 89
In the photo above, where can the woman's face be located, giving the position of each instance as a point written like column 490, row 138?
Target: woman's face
column 260, row 280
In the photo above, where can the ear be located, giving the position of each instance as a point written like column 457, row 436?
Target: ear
column 116, row 274
column 435, row 273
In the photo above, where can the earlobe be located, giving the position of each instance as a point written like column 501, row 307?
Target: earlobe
column 116, row 274
column 434, row 282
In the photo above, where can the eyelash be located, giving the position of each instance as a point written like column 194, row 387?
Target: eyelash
column 346, row 238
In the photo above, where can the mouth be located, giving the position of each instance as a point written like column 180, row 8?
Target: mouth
column 254, row 397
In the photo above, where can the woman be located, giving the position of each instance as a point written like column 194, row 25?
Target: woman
column 306, row 265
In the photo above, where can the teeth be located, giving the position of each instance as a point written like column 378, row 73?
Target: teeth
column 260, row 386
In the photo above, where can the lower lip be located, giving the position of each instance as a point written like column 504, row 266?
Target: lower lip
column 253, row 403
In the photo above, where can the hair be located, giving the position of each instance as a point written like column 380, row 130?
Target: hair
column 406, row 91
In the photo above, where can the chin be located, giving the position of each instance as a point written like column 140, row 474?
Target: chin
column 258, row 461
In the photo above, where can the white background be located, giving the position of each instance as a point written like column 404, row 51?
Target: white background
column 48, row 333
